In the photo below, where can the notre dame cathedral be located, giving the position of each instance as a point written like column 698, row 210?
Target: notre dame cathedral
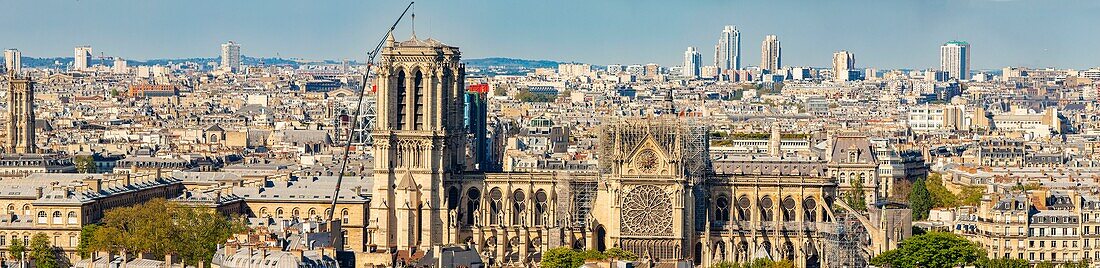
column 658, row 192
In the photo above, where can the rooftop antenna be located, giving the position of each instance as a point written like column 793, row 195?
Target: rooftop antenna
column 358, row 110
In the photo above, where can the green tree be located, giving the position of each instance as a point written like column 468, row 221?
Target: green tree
column 1077, row 264
column 17, row 248
column 1046, row 264
column 857, row 199
column 528, row 96
column 84, row 164
column 920, row 200
column 87, row 233
column 44, row 255
column 200, row 232
column 767, row 263
column 620, row 254
column 561, row 257
column 941, row 197
column 724, row 264
column 1003, row 263
column 159, row 227
column 591, row 254
column 971, row 196
column 933, row 249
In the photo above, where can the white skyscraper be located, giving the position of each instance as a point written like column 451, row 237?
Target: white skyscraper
column 692, row 62
column 843, row 63
column 12, row 61
column 120, row 66
column 82, row 57
column 955, row 59
column 771, row 54
column 727, row 53
column 231, row 57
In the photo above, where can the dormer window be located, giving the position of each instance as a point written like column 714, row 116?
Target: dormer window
column 853, row 156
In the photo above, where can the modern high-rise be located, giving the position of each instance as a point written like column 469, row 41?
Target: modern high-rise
column 844, row 63
column 231, row 57
column 692, row 62
column 82, row 57
column 20, row 138
column 12, row 61
column 727, row 53
column 120, row 66
column 955, row 59
column 771, row 54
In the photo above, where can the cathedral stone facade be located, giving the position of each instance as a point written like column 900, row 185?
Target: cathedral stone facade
column 658, row 192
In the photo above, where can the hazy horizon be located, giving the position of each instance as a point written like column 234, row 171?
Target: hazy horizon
column 882, row 34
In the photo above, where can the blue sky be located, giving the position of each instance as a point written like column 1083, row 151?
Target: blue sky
column 882, row 33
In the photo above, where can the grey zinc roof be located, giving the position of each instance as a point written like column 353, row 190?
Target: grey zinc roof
column 308, row 188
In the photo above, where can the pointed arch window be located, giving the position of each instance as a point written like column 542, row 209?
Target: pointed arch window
column 401, row 98
column 418, row 87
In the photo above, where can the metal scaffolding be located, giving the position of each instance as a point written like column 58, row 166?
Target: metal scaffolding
column 844, row 242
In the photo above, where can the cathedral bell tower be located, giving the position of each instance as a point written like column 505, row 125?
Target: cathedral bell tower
column 418, row 143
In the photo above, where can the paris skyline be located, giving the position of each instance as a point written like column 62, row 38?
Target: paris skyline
column 884, row 35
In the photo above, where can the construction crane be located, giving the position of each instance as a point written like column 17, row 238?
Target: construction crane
column 358, row 111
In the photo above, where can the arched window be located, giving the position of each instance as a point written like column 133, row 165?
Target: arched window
column 495, row 206
column 294, row 213
column 418, row 86
column 57, row 218
column 11, row 209
column 344, row 216
column 788, row 209
column 473, row 200
column 72, row 217
column 42, row 217
column 313, row 214
column 540, row 207
column 453, row 197
column 263, row 212
column 279, row 212
column 744, row 210
column 27, row 210
column 402, row 95
column 810, row 206
column 518, row 206
column 722, row 208
column 766, row 211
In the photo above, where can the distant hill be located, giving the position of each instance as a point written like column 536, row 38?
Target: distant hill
column 66, row 61
column 512, row 63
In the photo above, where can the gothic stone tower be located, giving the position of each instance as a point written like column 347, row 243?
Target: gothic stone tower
column 20, row 116
column 418, row 143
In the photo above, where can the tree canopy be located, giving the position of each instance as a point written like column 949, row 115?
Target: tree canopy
column 159, row 227
column 933, row 249
column 564, row 257
column 44, row 254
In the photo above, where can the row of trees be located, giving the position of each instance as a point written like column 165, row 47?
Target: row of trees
column 160, row 227
column 757, row 263
column 941, row 249
column 41, row 252
column 564, row 257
